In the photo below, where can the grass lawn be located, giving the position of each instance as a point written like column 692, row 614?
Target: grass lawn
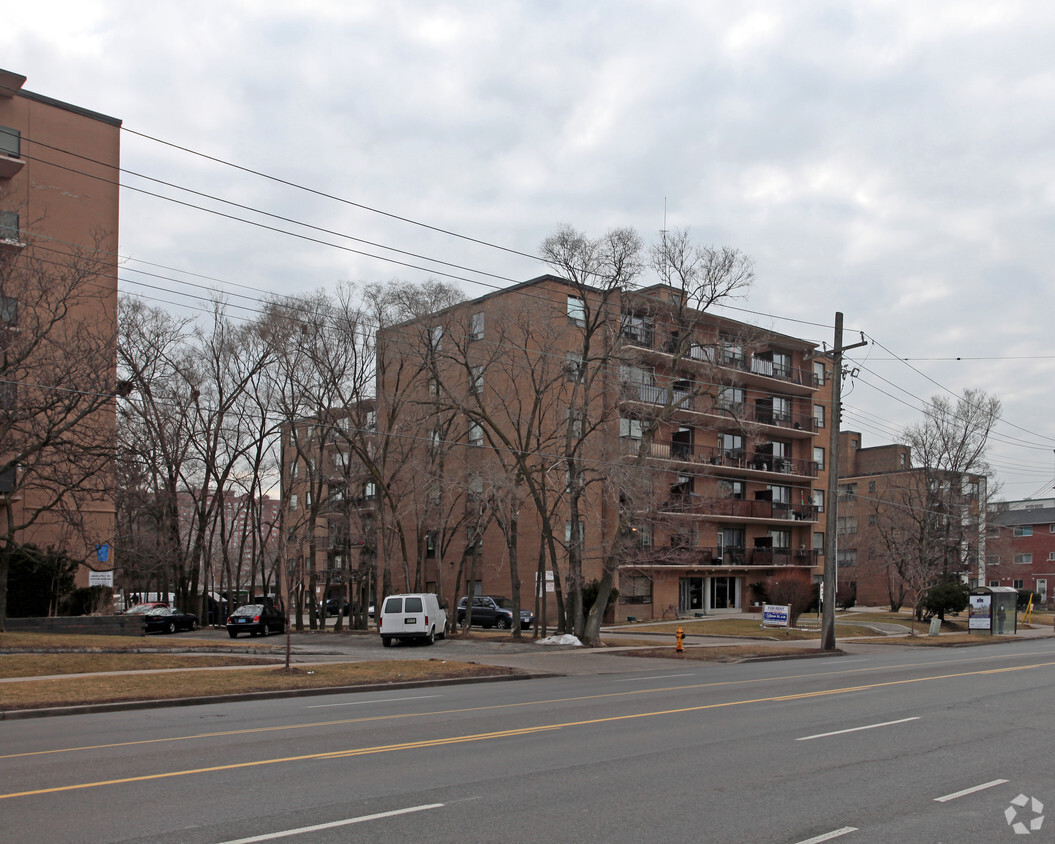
column 745, row 627
column 44, row 664
column 64, row 642
column 71, row 691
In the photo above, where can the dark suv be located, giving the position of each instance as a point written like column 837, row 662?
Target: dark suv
column 493, row 611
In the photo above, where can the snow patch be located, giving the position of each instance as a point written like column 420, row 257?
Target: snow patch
column 562, row 639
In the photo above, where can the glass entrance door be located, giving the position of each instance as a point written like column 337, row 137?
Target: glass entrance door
column 724, row 593
column 690, row 595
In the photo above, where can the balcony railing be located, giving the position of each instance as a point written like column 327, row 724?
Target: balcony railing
column 732, row 458
column 722, row 557
column 740, row 508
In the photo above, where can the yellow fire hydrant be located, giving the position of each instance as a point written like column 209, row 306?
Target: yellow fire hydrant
column 679, row 637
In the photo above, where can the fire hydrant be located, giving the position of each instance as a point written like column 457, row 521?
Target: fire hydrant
column 679, row 637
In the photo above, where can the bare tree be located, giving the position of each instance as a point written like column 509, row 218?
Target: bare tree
column 611, row 319
column 930, row 517
column 57, row 388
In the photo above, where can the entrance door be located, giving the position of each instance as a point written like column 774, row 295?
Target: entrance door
column 1042, row 590
column 690, row 595
column 724, row 593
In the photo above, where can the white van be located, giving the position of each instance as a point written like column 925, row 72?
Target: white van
column 417, row 616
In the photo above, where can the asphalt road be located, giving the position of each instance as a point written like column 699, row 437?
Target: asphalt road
column 896, row 745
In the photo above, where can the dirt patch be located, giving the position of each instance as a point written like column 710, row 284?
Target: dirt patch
column 44, row 664
column 73, row 691
column 734, row 653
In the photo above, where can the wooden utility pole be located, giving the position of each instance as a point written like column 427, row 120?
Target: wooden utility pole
column 828, row 585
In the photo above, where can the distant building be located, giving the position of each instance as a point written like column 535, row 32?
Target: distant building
column 59, row 182
column 900, row 525
column 1021, row 547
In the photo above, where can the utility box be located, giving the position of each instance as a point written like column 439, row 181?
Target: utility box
column 993, row 610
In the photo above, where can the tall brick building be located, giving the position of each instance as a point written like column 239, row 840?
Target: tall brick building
column 699, row 444
column 58, row 323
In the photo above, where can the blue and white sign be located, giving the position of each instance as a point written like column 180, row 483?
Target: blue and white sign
column 775, row 615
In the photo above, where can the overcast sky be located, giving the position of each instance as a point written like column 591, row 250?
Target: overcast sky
column 894, row 161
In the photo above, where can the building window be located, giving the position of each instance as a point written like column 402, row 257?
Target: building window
column 576, row 310
column 820, row 374
column 370, row 491
column 1023, row 559
column 567, row 533
column 10, row 142
column 1051, row 556
column 476, row 380
column 847, row 557
column 294, row 501
column 818, row 500
column 779, row 494
column 637, row 330
column 993, row 583
column 8, row 311
column 8, row 395
column 818, row 415
column 476, row 487
column 436, row 338
column 630, row 428
column 635, row 589
column 818, row 540
column 643, row 535
column 871, row 487
column 847, row 492
column 9, row 226
column 476, row 435
column 818, row 457
column 780, row 539
column 1019, row 584
column 1023, row 530
column 731, row 398
column 731, row 445
column 732, row 489
column 845, row 525
column 476, row 326
column 573, row 367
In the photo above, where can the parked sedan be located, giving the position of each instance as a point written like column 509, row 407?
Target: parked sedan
column 493, row 611
column 255, row 619
column 143, row 609
column 169, row 620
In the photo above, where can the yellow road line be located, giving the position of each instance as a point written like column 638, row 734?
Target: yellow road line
column 465, row 710
column 343, row 754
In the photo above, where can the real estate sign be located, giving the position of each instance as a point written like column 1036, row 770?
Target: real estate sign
column 775, row 615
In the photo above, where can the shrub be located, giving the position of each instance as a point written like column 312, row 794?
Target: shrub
column 792, row 592
column 951, row 596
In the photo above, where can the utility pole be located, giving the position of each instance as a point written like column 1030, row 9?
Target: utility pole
column 832, row 495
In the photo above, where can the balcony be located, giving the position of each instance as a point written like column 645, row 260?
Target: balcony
column 725, row 461
column 722, row 558
column 740, row 508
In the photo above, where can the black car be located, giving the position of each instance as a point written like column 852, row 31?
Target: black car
column 493, row 611
column 255, row 619
column 169, row 620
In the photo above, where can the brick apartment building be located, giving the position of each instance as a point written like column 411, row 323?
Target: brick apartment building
column 699, row 444
column 58, row 323
column 886, row 505
column 1021, row 546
